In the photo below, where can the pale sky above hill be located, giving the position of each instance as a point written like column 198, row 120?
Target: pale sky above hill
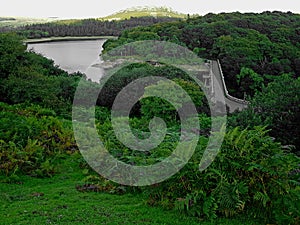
column 100, row 8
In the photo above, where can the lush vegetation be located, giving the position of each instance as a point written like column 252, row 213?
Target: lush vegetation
column 254, row 50
column 22, row 74
column 255, row 176
column 276, row 106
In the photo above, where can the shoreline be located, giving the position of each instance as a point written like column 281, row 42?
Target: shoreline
column 68, row 38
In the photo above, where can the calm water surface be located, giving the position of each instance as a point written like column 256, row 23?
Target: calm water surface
column 73, row 56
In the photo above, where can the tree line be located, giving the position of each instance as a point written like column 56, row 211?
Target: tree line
column 85, row 27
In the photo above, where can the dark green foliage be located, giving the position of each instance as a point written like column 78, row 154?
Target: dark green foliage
column 27, row 77
column 251, row 174
column 253, row 81
column 32, row 140
column 11, row 53
column 154, row 106
column 127, row 155
column 276, row 106
column 119, row 80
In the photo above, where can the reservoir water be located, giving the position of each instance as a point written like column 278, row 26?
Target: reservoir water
column 73, row 56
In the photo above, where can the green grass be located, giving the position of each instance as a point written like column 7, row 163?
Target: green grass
column 56, row 201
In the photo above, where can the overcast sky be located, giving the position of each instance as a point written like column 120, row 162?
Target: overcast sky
column 100, row 8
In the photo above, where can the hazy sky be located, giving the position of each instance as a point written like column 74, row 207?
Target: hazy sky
column 99, row 8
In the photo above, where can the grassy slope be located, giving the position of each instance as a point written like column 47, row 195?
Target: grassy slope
column 144, row 11
column 61, row 203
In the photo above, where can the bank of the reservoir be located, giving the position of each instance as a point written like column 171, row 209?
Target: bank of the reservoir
column 68, row 38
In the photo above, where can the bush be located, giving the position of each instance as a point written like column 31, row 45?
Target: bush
column 32, row 139
column 278, row 107
column 155, row 106
column 114, row 84
column 251, row 174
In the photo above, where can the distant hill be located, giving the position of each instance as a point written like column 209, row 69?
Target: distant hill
column 144, row 11
column 141, row 11
column 122, row 15
column 21, row 21
column 6, row 19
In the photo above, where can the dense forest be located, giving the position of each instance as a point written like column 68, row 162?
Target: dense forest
column 249, row 46
column 254, row 50
column 85, row 27
column 256, row 173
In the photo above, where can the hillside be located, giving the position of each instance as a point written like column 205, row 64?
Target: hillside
column 143, row 12
column 49, row 119
column 254, row 49
column 138, row 12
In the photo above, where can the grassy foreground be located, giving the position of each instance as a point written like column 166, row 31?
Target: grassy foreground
column 56, row 200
